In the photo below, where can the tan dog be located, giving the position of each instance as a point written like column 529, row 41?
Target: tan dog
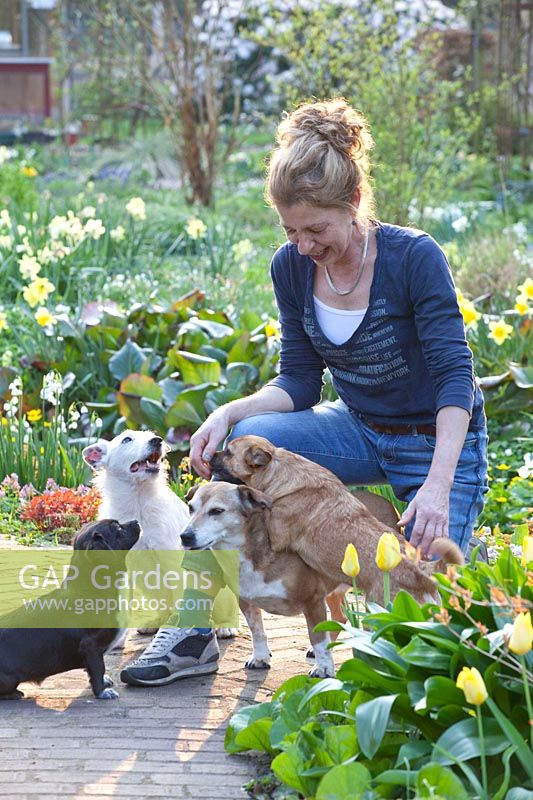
column 229, row 517
column 314, row 515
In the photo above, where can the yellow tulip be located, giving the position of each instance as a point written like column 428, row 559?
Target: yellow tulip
column 522, row 634
column 527, row 550
column 388, row 554
column 350, row 562
column 34, row 414
column 473, row 685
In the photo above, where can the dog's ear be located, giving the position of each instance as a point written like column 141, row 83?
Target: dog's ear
column 95, row 455
column 192, row 491
column 257, row 456
column 252, row 500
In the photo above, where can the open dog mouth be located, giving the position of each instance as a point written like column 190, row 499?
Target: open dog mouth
column 149, row 464
column 202, row 547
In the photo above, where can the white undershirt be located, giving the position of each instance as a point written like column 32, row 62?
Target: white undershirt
column 338, row 324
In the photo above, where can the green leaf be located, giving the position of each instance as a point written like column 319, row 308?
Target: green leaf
column 132, row 389
column 383, row 650
column 436, row 780
column 406, row 607
column 461, row 741
column 288, row 766
column 241, row 720
column 371, row 720
column 523, row 751
column 128, row 359
column 421, row 654
column 154, row 414
column 506, row 761
column 441, row 691
column 188, row 410
column 195, row 369
column 341, row 742
column 171, row 390
column 325, row 685
column 344, row 781
column 356, row 671
column 255, row 737
column 412, row 751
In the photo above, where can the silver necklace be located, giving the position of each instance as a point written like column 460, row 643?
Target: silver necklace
column 343, row 292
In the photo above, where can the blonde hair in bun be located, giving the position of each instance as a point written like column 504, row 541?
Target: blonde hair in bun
column 321, row 158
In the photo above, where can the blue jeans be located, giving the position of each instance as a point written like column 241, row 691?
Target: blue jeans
column 333, row 436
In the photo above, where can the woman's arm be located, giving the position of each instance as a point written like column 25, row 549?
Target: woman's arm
column 214, row 430
column 431, row 502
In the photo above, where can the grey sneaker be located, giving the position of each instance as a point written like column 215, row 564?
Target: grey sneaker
column 173, row 653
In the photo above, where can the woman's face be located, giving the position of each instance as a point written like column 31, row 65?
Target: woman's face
column 324, row 234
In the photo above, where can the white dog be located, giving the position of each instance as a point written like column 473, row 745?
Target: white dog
column 132, row 476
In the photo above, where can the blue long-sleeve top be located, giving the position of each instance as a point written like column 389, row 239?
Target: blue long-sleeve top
column 407, row 359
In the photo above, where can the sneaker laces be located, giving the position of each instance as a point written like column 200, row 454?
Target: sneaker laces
column 164, row 640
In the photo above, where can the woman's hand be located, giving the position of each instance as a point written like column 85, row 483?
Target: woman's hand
column 206, row 440
column 431, row 508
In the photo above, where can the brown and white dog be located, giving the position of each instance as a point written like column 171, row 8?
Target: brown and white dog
column 315, row 516
column 229, row 517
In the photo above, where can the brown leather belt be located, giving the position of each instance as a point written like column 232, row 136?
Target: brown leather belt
column 403, row 430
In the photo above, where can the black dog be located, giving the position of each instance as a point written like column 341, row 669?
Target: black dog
column 33, row 654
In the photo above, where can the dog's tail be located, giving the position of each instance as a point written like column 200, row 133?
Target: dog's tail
column 448, row 553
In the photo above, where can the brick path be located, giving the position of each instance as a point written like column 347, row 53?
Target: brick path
column 60, row 742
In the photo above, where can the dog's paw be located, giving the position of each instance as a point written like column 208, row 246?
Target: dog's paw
column 147, row 631
column 310, row 654
column 322, row 672
column 257, row 663
column 226, row 633
column 108, row 694
column 108, row 680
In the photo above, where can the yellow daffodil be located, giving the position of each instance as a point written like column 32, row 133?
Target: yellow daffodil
column 522, row 304
column 29, row 267
column 522, row 634
column 34, row 415
column 136, row 208
column 500, row 331
column 94, row 228
column 526, row 288
column 29, row 172
column 37, row 292
column 350, row 562
column 388, row 554
column 468, row 310
column 118, row 234
column 44, row 317
column 196, row 228
column 527, row 550
column 473, row 685
column 3, row 321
